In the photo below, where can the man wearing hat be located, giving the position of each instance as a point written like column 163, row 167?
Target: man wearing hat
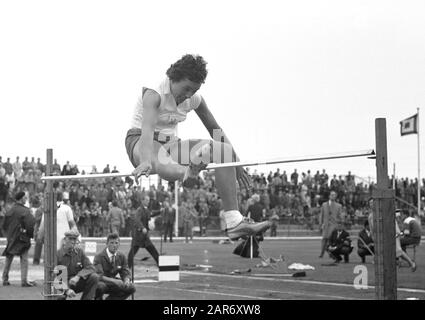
column 82, row 275
column 19, row 226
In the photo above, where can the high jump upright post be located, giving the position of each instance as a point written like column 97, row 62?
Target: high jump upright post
column 50, row 232
column 384, row 221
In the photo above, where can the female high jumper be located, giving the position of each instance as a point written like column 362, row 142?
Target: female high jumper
column 154, row 148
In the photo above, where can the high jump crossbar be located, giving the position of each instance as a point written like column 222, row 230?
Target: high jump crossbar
column 211, row 166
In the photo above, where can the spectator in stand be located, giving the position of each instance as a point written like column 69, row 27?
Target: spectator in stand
column 324, row 177
column 115, row 170
column 115, row 218
column 203, row 212
column 56, row 168
column 107, row 169
column 154, row 205
column 132, row 210
column 8, row 166
column 73, row 195
column 40, row 166
column 17, row 169
column 74, row 169
column 120, row 196
column 256, row 211
column 26, row 165
column 411, row 230
column 294, row 178
column 331, row 212
column 168, row 219
column 274, row 218
column 365, row 245
column 36, row 203
column 96, row 219
column 182, row 213
column 334, row 185
column 340, row 244
column 317, row 178
column 33, row 164
column 284, row 178
column 85, row 198
column 4, row 189
column 66, row 170
column 189, row 219
column 93, row 170
column 2, row 171
column 10, row 181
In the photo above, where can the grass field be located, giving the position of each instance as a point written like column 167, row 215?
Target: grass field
column 233, row 277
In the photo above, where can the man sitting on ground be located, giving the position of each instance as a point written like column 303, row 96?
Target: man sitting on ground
column 109, row 263
column 365, row 243
column 82, row 276
column 340, row 244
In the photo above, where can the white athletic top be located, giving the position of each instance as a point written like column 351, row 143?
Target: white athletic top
column 169, row 114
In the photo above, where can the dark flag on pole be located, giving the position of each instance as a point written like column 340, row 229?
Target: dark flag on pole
column 409, row 125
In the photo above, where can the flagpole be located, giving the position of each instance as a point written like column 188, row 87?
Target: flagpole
column 419, row 168
column 394, row 175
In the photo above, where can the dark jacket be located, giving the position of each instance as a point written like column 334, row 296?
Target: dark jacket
column 105, row 268
column 342, row 240
column 169, row 215
column 141, row 221
column 76, row 262
column 19, row 227
column 256, row 211
column 367, row 239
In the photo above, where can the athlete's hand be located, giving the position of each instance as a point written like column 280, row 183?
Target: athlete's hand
column 144, row 168
column 243, row 178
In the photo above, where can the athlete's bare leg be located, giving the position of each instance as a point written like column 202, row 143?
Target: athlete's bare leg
column 171, row 161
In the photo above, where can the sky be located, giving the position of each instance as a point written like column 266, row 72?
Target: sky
column 285, row 78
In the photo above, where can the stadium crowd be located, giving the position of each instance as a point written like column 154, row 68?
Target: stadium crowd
column 103, row 205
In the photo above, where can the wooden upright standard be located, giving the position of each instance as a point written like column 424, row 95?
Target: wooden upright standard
column 50, row 231
column 384, row 221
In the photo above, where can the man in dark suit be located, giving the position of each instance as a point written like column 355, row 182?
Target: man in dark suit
column 169, row 216
column 140, row 235
column 365, row 239
column 19, row 227
column 340, row 244
column 109, row 263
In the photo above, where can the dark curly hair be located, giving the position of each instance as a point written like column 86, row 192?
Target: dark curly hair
column 191, row 67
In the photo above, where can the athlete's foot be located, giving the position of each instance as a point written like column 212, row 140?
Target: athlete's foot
column 247, row 228
column 190, row 178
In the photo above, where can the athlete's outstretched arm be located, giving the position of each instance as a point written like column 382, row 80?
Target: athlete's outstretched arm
column 211, row 124
column 151, row 102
